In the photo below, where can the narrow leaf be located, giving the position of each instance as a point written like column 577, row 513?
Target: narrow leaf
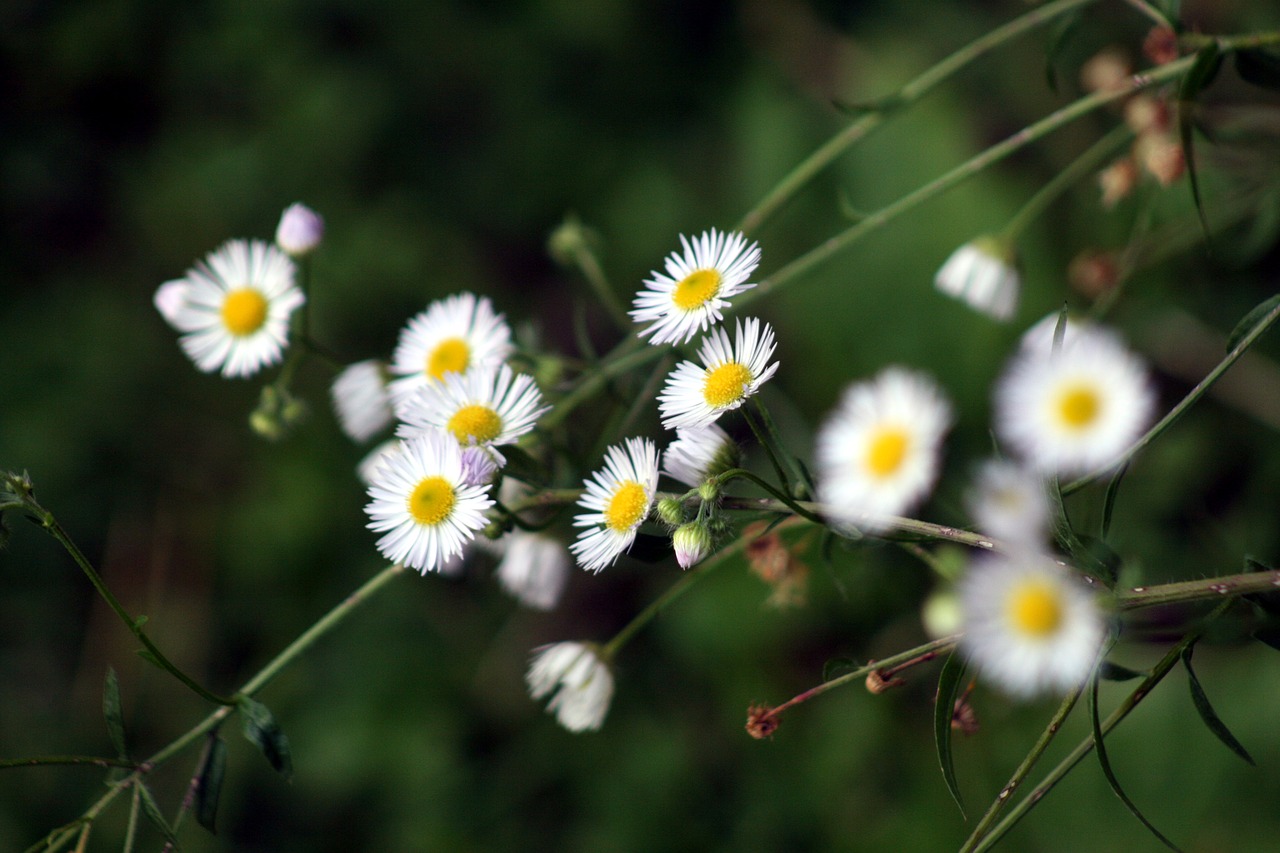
column 1099, row 558
column 1259, row 67
column 1059, row 36
column 1211, row 719
column 1251, row 320
column 209, row 776
column 1115, row 672
column 1101, row 751
column 152, row 811
column 111, row 711
column 837, row 666
column 944, row 709
column 1109, row 499
column 1202, row 72
column 262, row 730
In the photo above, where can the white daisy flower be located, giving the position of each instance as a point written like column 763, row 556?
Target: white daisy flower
column 697, row 285
column 1030, row 625
column 300, row 230
column 695, row 396
column 235, row 308
column 422, row 503
column 1075, row 410
column 453, row 335
column 578, row 681
column 1009, row 502
column 486, row 406
column 699, row 453
column 618, row 499
column 534, row 568
column 877, row 453
column 170, row 298
column 361, row 401
column 984, row 274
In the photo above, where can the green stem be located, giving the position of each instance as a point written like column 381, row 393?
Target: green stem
column 631, row 353
column 908, row 94
column 766, row 441
column 1226, row 586
column 1077, row 170
column 75, row 760
column 976, row 164
column 1177, row 411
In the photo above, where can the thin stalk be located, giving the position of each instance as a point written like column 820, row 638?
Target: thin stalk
column 765, row 439
column 1177, row 411
column 1076, row 171
column 908, row 94
column 624, row 357
column 68, row 760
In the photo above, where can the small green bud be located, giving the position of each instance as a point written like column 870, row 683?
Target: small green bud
column 709, row 491
column 671, row 511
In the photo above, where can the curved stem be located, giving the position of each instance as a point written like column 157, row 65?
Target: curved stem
column 908, row 94
column 1075, row 171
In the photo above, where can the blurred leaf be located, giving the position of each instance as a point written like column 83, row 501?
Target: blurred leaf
column 1259, row 67
column 152, row 811
column 1109, row 499
column 1100, row 749
column 1109, row 671
column 1099, row 559
column 1061, row 32
column 1172, row 11
column 1251, row 320
column 1252, row 565
column 1202, row 72
column 262, row 730
column 1211, row 719
column 837, row 666
column 209, row 775
column 944, row 710
column 111, row 711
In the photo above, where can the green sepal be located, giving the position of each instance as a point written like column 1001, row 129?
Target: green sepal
column 1109, row 671
column 1251, row 320
column 1210, row 717
column 944, row 709
column 1100, row 749
column 1203, row 70
column 112, row 714
column 152, row 811
column 209, row 775
column 262, row 730
column 1259, row 67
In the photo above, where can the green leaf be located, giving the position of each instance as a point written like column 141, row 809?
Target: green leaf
column 1109, row 499
column 1172, row 11
column 152, row 811
column 1059, row 36
column 837, row 666
column 1202, row 72
column 1211, row 719
column 1098, row 558
column 1259, row 67
column 147, row 656
column 1101, row 751
column 1250, row 321
column 209, row 775
column 111, row 711
column 944, row 709
column 262, row 730
column 1114, row 672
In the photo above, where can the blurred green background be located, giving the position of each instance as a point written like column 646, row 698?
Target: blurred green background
column 443, row 142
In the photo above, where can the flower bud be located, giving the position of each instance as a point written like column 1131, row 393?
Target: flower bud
column 691, row 543
column 1117, row 181
column 1106, row 71
column 1161, row 156
column 671, row 511
column 983, row 273
column 1161, row 45
column 300, row 230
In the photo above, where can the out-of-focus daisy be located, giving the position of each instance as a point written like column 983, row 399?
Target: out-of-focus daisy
column 420, row 500
column 367, row 468
column 699, row 453
column 877, row 453
column 361, row 401
column 617, row 500
column 696, row 286
column 1030, row 625
column 1009, row 502
column 983, row 273
column 695, row 396
column 300, row 230
column 1076, row 409
column 235, row 307
column 454, row 335
column 534, row 568
column 578, row 680
column 486, row 406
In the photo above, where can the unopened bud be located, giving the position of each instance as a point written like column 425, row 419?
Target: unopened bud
column 1093, row 273
column 671, row 511
column 300, row 230
column 1143, row 113
column 760, row 722
column 1161, row 45
column 1106, row 71
column 691, row 544
column 964, row 719
column 1117, row 181
column 478, row 466
column 569, row 240
column 1161, row 156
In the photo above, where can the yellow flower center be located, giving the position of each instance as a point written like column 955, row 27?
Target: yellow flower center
column 432, row 501
column 886, row 451
column 1035, row 609
column 627, row 507
column 244, row 311
column 696, row 288
column 451, row 356
column 726, row 385
column 477, row 423
column 1079, row 406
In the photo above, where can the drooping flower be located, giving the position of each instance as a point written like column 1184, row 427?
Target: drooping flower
column 578, row 680
column 695, row 396
column 617, row 499
column 534, row 568
column 699, row 453
column 486, row 406
column 877, row 453
column 420, row 500
column 234, row 307
column 1030, row 625
column 696, row 287
column 984, row 274
column 300, row 230
column 1075, row 409
column 1009, row 502
column 454, row 335
column 361, row 401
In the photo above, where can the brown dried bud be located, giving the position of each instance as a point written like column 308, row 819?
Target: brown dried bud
column 772, row 561
column 1144, row 113
column 964, row 719
column 1093, row 273
column 760, row 722
column 1107, row 71
column 1117, row 181
column 877, row 683
column 1161, row 156
column 1161, row 45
